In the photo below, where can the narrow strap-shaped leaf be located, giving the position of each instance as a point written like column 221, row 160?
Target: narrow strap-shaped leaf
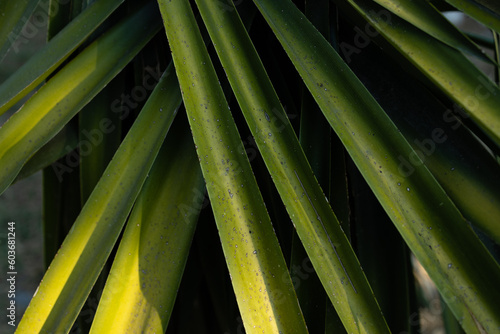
column 143, row 282
column 316, row 225
column 429, row 222
column 44, row 115
column 484, row 41
column 492, row 5
column 450, row 70
column 449, row 150
column 315, row 139
column 259, row 274
column 63, row 143
column 425, row 17
column 14, row 15
column 75, row 268
column 99, row 137
column 41, row 65
column 478, row 12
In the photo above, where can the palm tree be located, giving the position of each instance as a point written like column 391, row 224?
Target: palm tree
column 324, row 145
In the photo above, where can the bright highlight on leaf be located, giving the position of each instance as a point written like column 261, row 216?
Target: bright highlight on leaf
column 216, row 222
column 94, row 233
column 41, row 65
column 263, row 289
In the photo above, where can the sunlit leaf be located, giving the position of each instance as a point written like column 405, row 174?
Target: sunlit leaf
column 147, row 270
column 41, row 65
column 72, row 273
column 416, row 203
column 259, row 275
column 44, row 115
column 316, row 225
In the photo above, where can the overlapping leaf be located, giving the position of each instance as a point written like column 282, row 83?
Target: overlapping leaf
column 41, row 65
column 317, row 226
column 75, row 268
column 259, row 275
column 465, row 84
column 147, row 270
column 425, row 17
column 445, row 67
column 13, row 17
column 489, row 15
column 44, row 115
column 425, row 216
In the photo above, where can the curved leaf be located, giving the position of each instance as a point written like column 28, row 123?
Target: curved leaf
column 148, row 267
column 317, row 226
column 259, row 275
column 425, row 17
column 44, row 115
column 447, row 68
column 429, row 222
column 41, row 65
column 479, row 12
column 75, row 268
column 13, row 17
column 64, row 142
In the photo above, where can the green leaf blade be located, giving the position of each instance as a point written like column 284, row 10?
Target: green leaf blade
column 260, row 279
column 423, row 213
column 438, row 136
column 476, row 10
column 305, row 202
column 13, row 17
column 40, row 66
column 464, row 83
column 76, row 266
column 147, row 270
column 44, row 115
column 447, row 68
column 425, row 17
